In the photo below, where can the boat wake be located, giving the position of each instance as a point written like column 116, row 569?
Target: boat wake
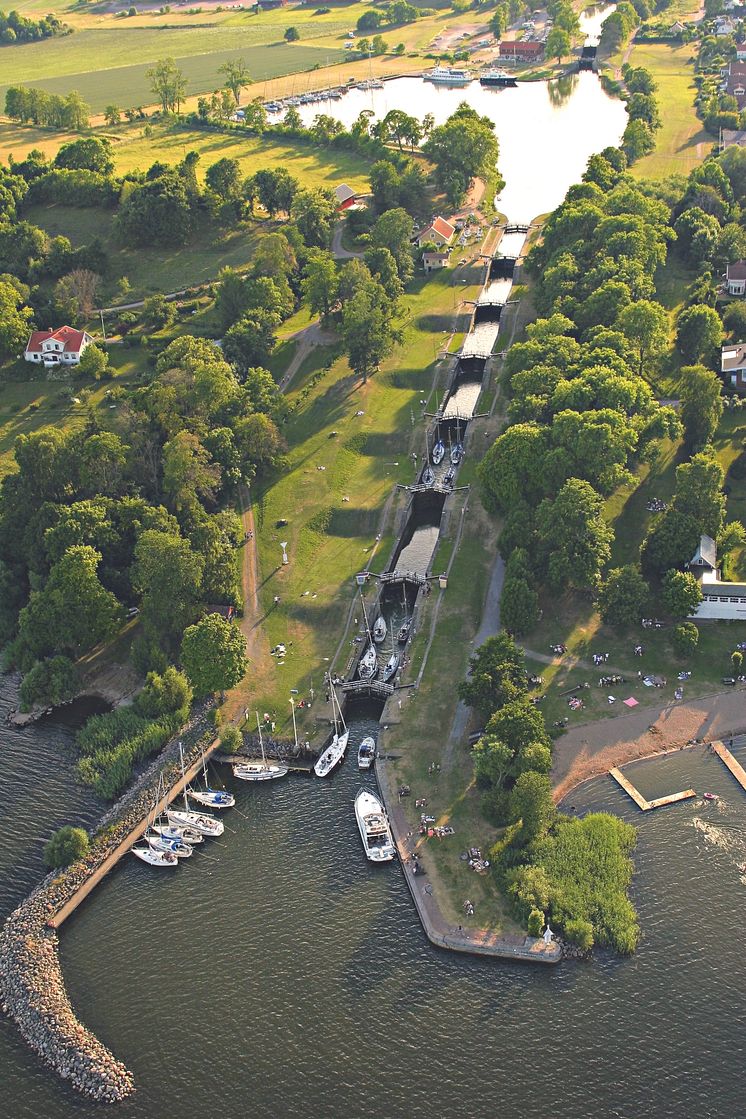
column 727, row 842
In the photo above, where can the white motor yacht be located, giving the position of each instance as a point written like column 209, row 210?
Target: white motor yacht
column 366, row 753
column 374, row 828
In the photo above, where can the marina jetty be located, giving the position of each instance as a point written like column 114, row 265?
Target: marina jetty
column 643, row 804
column 32, row 986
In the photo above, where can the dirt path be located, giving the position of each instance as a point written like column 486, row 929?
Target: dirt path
column 306, row 339
column 591, row 750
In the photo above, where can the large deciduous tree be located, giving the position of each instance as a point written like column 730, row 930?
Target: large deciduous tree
column 213, row 653
column 575, row 539
column 168, row 84
column 497, row 675
column 701, row 404
column 622, row 597
column 461, row 149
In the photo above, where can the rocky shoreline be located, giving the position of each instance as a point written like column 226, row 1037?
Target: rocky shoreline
column 32, row 986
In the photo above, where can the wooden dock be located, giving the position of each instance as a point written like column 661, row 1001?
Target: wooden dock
column 730, row 762
column 645, row 805
column 122, row 848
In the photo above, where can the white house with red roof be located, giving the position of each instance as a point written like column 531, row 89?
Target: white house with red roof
column 438, row 232
column 57, row 347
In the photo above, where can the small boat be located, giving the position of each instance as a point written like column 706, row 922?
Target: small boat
column 457, row 453
column 178, row 847
column 438, row 453
column 390, row 668
column 374, row 828
column 368, row 666
column 448, row 75
column 335, row 751
column 497, row 77
column 379, row 629
column 403, row 635
column 366, row 753
column 170, row 831
column 709, row 796
column 213, row 798
column 155, row 858
column 200, row 822
column 428, row 478
column 260, row 769
column 449, row 476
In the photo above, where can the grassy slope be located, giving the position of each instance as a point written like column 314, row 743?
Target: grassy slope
column 682, row 142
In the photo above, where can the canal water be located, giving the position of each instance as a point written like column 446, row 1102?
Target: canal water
column 278, row 973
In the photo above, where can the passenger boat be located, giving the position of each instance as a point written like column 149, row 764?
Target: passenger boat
column 366, row 753
column 390, row 668
column 500, row 78
column 260, row 769
column 155, row 858
column 177, row 847
column 457, row 453
column 374, row 828
column 439, row 451
column 170, row 831
column 335, row 751
column 448, row 75
column 368, row 666
column 379, row 629
column 403, row 635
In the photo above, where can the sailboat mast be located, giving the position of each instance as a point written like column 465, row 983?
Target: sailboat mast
column 295, row 728
column 365, row 616
column 183, row 775
column 261, row 740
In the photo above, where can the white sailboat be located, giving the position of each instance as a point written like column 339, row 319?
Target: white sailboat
column 170, row 831
column 155, row 858
column 177, row 847
column 201, row 822
column 379, row 629
column 211, row 798
column 390, row 668
column 367, row 669
column 256, row 770
column 335, row 751
column 374, row 828
column 366, row 753
column 457, row 451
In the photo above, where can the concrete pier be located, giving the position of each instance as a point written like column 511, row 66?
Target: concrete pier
column 646, row 805
column 730, row 762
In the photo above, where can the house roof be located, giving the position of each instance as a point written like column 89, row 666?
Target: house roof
column 734, row 136
column 736, row 271
column 436, row 256
column 72, row 339
column 343, row 193
column 440, row 226
column 733, row 357
column 724, row 590
column 706, row 553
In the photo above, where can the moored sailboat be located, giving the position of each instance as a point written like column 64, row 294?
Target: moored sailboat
column 390, row 668
column 379, row 629
column 260, row 770
column 155, row 858
column 335, row 751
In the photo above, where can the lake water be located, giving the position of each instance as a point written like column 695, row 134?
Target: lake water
column 546, row 130
column 280, row 974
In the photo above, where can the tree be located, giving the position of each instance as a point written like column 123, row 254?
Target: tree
column 236, row 77
column 73, row 612
column 681, row 593
column 112, row 115
column 670, row 543
column 461, row 149
column 532, row 804
column 189, row 474
column 497, row 675
column 736, row 660
column 393, row 231
column 168, row 575
column 89, row 154
column 15, row 322
column 66, row 846
column 699, row 332
column 157, row 212
column 292, row 35
column 699, row 494
column 49, row 683
column 519, row 606
column 314, row 211
column 367, row 334
column 645, row 326
column 320, row 282
column 165, row 694
column 75, row 294
column 251, row 340
column 558, row 44
column 213, row 653
column 686, row 639
column 224, row 178
column 94, row 362
column 734, row 319
column 623, row 596
column 168, row 84
column 575, row 540
column 513, row 468
column 701, row 404
column 158, row 311
column 231, row 740
column 275, row 189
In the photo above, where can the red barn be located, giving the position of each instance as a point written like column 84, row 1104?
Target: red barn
column 521, row 51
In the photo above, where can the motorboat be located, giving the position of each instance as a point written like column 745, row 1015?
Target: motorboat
column 390, row 668
column 428, row 478
column 449, row 476
column 368, row 666
column 438, row 452
column 497, row 77
column 178, row 847
column 170, row 831
column 379, row 629
column 155, row 858
column 259, row 769
column 457, row 453
column 201, row 822
column 335, row 751
column 374, row 828
column 448, row 75
column 403, row 635
column 366, row 753
column 213, row 798
column 709, row 796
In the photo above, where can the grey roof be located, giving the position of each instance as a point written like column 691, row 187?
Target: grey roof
column 724, row 590
column 706, row 553
column 343, row 193
column 736, row 271
column 733, row 357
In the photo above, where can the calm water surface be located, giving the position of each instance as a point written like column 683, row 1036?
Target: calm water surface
column 277, row 973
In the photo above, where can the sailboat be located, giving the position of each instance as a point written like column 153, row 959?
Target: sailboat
column 379, row 629
column 390, row 668
column 428, row 477
column 177, row 847
column 155, row 858
column 171, row 831
column 439, row 449
column 255, row 770
column 403, row 635
column 335, row 751
column 157, row 851
column 449, row 476
column 212, row 798
column 368, row 666
column 201, row 822
column 457, row 451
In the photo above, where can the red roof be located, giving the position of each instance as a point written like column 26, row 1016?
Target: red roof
column 526, row 48
column 73, row 339
column 438, row 225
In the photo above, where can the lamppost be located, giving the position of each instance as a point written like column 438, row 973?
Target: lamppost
column 283, row 545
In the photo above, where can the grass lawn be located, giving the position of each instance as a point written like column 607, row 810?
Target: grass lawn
column 682, row 142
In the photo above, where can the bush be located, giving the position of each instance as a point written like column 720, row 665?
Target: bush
column 49, row 683
column 114, row 743
column 231, row 740
column 66, row 846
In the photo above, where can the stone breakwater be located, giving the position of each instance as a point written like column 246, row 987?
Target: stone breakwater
column 32, row 986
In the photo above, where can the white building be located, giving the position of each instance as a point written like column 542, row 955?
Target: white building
column 57, row 347
column 725, row 601
column 735, row 278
